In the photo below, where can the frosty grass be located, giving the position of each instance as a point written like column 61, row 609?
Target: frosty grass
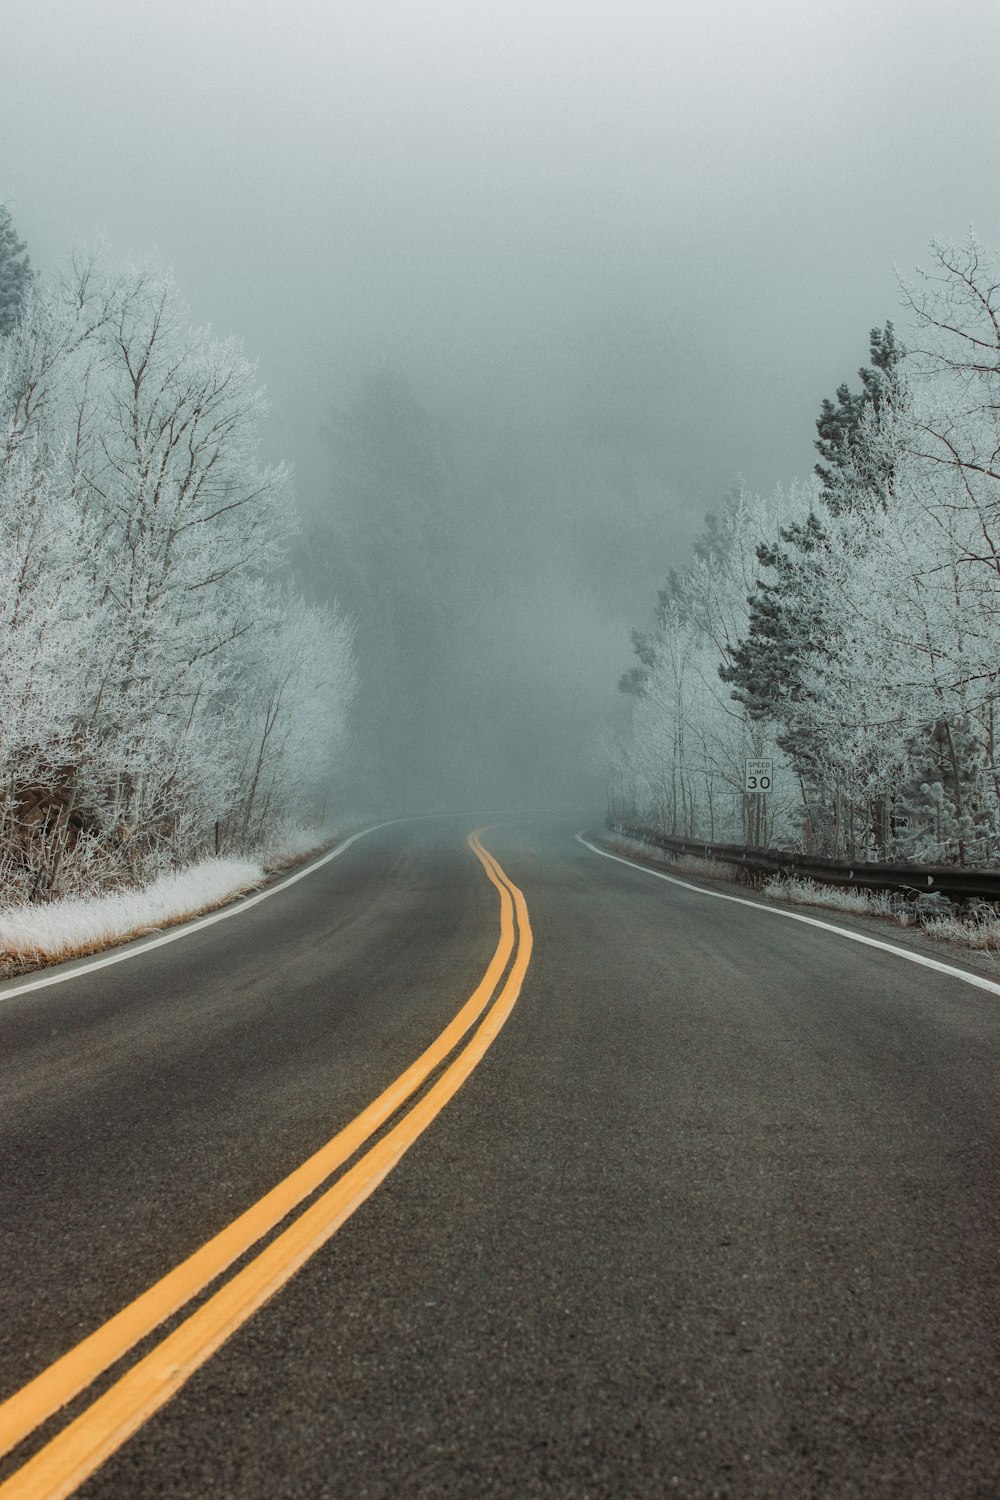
column 84, row 924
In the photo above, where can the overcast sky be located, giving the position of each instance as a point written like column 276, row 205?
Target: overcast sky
column 669, row 225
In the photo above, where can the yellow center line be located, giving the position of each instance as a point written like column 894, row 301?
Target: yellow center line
column 60, row 1466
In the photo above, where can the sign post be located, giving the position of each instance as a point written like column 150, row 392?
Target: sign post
column 757, row 782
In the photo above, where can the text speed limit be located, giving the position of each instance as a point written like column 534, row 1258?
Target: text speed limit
column 757, row 774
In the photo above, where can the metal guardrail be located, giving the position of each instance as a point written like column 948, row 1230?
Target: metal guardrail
column 956, row 882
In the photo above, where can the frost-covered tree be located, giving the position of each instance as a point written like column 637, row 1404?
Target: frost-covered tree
column 777, row 669
column 926, row 585
column 15, row 271
column 681, row 763
column 784, row 628
column 840, row 425
column 145, row 618
column 955, row 433
column 294, row 688
column 868, row 648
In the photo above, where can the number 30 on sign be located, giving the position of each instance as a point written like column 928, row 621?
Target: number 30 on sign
column 757, row 774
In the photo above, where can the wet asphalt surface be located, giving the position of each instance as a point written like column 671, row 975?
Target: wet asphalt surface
column 718, row 1214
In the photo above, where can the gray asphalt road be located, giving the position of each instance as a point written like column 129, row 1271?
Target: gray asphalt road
column 717, row 1215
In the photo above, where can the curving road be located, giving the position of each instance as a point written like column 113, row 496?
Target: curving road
column 714, row 1212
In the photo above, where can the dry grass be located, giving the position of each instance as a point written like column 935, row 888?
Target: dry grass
column 292, row 846
column 709, row 869
column 678, row 864
column 836, row 898
column 34, row 934
column 981, row 931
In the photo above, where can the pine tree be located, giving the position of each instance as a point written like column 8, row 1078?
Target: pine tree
column 840, row 426
column 785, row 634
column 15, row 271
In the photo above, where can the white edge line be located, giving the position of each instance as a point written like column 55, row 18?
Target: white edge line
column 793, row 916
column 233, row 909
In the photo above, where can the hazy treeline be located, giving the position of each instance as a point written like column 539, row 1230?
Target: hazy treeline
column 481, row 566
column 165, row 692
column 851, row 628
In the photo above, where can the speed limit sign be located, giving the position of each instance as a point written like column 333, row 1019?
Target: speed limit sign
column 757, row 774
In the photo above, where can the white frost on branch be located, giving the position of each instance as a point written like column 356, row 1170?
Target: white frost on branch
column 868, row 661
column 162, row 691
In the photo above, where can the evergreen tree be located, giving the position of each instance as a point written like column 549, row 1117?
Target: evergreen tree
column 636, row 678
column 785, row 635
column 942, row 810
column 840, row 426
column 774, row 669
column 15, row 271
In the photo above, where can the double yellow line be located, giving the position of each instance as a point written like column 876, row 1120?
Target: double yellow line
column 85, row 1443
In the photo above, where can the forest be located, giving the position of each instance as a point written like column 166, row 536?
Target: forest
column 167, row 694
column 848, row 628
column 170, row 693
